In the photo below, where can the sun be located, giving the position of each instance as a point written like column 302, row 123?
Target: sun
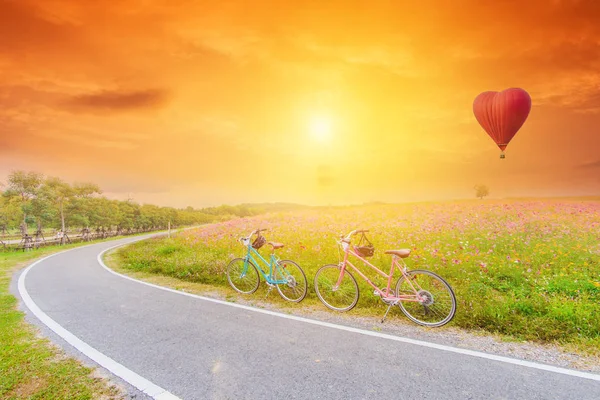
column 320, row 128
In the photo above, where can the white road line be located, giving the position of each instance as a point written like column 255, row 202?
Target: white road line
column 141, row 383
column 508, row 360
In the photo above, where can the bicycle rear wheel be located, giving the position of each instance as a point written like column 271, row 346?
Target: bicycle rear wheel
column 439, row 304
column 342, row 298
column 296, row 287
column 243, row 276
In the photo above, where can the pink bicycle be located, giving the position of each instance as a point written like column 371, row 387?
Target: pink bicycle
column 423, row 296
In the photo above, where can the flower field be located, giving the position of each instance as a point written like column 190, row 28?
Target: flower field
column 528, row 269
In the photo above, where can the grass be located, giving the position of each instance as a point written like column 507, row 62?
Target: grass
column 30, row 366
column 524, row 269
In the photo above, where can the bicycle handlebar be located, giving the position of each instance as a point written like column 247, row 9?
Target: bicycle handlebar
column 252, row 233
column 352, row 233
column 258, row 231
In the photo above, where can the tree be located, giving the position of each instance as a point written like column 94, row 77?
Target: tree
column 86, row 189
column 10, row 213
column 481, row 191
column 150, row 216
column 169, row 215
column 42, row 210
column 24, row 186
column 81, row 205
column 58, row 194
column 128, row 214
column 105, row 212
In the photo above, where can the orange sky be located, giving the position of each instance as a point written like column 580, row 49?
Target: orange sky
column 188, row 103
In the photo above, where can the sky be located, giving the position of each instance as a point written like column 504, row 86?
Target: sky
column 182, row 102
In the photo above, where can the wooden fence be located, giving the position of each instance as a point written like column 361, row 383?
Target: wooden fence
column 39, row 239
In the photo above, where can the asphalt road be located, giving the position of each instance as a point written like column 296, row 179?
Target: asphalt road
column 197, row 349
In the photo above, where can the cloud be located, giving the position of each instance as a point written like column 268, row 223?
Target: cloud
column 591, row 165
column 23, row 29
column 116, row 101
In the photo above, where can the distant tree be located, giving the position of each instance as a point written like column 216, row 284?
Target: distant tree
column 80, row 208
column 129, row 213
column 30, row 197
column 150, row 216
column 167, row 215
column 42, row 210
column 104, row 213
column 86, row 189
column 58, row 194
column 24, row 186
column 481, row 191
column 10, row 213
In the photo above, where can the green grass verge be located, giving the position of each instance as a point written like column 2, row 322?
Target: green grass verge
column 30, row 366
column 527, row 270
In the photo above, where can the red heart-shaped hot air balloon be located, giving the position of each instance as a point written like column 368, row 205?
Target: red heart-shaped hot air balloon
column 502, row 114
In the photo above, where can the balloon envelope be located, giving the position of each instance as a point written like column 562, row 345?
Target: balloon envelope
column 502, row 114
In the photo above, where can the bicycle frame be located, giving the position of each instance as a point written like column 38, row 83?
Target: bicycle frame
column 349, row 251
column 273, row 261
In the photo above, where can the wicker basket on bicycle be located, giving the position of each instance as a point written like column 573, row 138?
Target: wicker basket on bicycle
column 259, row 241
column 365, row 247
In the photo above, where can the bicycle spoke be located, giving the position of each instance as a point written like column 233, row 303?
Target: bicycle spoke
column 438, row 304
column 243, row 276
column 341, row 298
column 296, row 286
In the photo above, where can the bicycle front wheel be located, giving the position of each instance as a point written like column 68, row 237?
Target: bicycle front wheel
column 338, row 298
column 296, row 286
column 438, row 303
column 243, row 276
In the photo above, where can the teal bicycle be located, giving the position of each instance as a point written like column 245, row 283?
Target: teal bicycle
column 285, row 275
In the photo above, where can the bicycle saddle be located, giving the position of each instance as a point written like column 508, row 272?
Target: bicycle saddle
column 402, row 253
column 276, row 245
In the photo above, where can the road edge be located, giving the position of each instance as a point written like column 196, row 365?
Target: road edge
column 144, row 385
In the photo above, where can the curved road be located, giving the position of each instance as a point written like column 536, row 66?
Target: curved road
column 169, row 345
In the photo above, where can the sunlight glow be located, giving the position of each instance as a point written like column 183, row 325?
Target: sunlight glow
column 320, row 128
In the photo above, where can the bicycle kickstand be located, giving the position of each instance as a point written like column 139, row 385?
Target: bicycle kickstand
column 388, row 310
column 269, row 289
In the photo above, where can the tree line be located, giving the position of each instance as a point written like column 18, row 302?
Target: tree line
column 31, row 200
